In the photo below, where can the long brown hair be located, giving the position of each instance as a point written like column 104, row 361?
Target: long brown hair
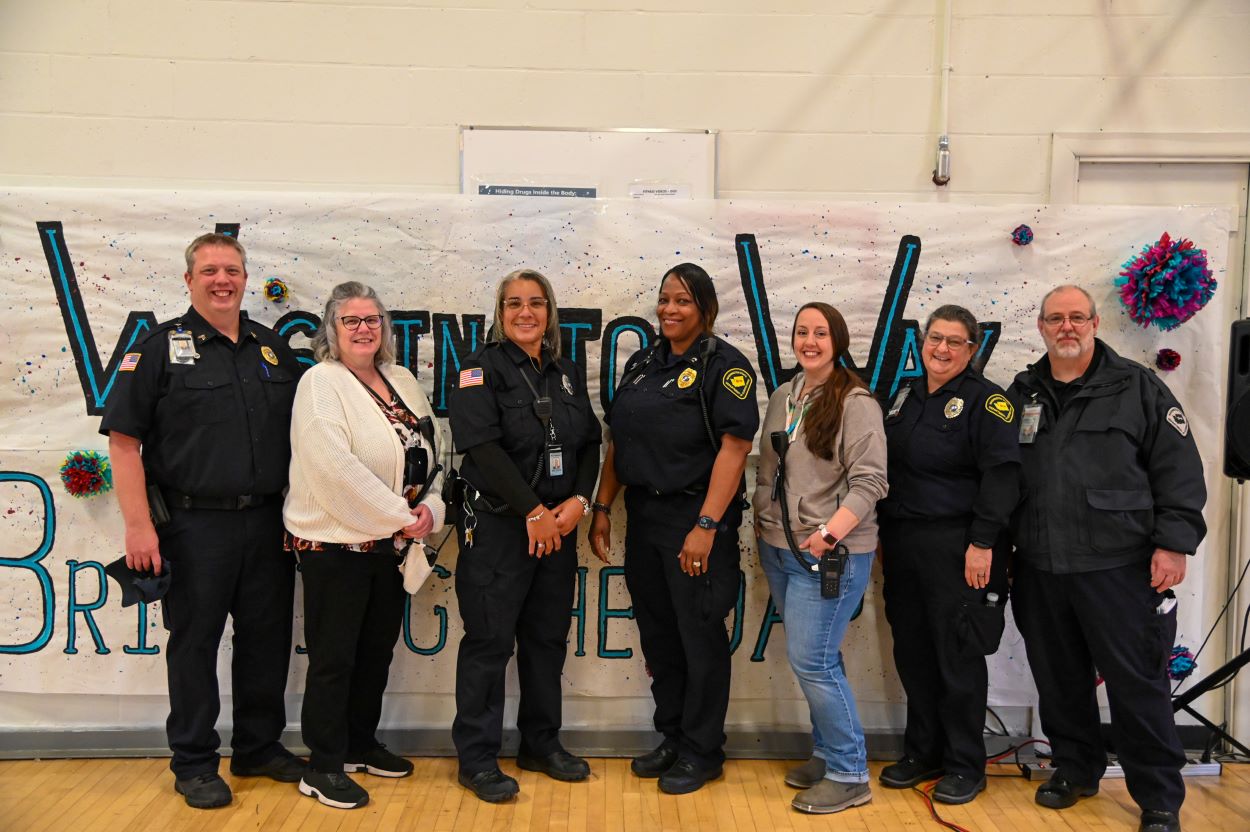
column 825, row 414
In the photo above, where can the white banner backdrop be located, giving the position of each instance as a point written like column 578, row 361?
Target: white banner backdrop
column 88, row 272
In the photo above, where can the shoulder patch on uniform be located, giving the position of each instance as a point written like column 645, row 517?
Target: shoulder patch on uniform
column 130, row 362
column 1000, row 406
column 738, row 382
column 1176, row 418
column 474, row 377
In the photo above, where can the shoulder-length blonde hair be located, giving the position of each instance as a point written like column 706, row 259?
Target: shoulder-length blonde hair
column 325, row 342
column 551, row 336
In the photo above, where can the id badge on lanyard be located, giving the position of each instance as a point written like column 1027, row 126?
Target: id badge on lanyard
column 1030, row 421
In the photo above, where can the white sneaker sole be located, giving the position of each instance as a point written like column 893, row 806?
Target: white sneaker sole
column 311, row 791
column 352, row 768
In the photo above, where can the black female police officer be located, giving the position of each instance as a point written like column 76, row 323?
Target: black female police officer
column 953, row 471
column 521, row 416
column 683, row 420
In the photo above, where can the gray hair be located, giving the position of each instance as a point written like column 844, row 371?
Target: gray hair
column 1093, row 307
column 959, row 315
column 551, row 336
column 325, row 342
column 214, row 239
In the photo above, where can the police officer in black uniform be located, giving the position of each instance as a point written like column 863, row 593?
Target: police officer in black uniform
column 199, row 438
column 954, row 479
column 1112, row 509
column 521, row 416
column 683, row 421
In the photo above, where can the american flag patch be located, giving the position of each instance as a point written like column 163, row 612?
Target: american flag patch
column 129, row 362
column 471, row 378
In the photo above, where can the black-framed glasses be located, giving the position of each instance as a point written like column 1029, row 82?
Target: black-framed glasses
column 953, row 342
column 353, row 322
column 533, row 304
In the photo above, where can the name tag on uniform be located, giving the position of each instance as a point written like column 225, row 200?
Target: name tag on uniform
column 555, row 461
column 1030, row 420
column 182, row 348
column 897, row 406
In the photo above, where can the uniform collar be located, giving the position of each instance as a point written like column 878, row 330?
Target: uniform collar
column 664, row 351
column 204, row 331
column 520, row 356
column 921, row 385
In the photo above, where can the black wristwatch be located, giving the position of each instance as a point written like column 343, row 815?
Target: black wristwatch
column 980, row 545
column 705, row 522
column 602, row 508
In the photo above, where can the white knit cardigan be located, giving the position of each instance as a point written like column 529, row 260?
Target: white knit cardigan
column 347, row 463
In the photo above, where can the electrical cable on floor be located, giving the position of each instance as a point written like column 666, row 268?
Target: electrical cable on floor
column 926, row 794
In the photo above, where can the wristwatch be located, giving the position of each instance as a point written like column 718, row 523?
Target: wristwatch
column 585, row 504
column 705, row 522
column 824, row 533
column 981, row 545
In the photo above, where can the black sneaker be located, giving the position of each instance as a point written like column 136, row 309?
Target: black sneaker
column 333, row 789
column 1059, row 793
column 907, row 772
column 492, row 786
column 285, row 768
column 686, row 776
column 654, row 763
column 204, row 791
column 1153, row 820
column 379, row 762
column 558, row 765
column 956, row 789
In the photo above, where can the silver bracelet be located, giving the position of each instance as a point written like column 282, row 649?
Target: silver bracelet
column 536, row 517
column 585, row 504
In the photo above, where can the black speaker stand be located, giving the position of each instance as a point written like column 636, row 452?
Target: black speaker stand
column 1209, row 683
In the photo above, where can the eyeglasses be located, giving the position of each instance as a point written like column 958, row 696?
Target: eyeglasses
column 353, row 322
column 953, row 342
column 533, row 304
column 1077, row 319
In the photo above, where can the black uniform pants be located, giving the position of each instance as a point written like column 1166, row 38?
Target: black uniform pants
column 1076, row 626
column 353, row 609
column 509, row 598
column 942, row 672
column 227, row 563
column 681, row 619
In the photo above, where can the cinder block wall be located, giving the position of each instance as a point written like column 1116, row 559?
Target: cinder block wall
column 828, row 98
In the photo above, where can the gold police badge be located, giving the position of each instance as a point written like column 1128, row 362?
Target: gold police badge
column 686, row 378
column 269, row 355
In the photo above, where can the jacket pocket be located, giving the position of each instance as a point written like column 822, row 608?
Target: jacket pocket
column 1119, row 518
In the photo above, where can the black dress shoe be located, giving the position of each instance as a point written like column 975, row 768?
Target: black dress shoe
column 1058, row 793
column 686, row 776
column 558, row 765
column 956, row 789
column 285, row 768
column 204, row 791
column 654, row 763
column 907, row 772
column 1155, row 821
column 492, row 786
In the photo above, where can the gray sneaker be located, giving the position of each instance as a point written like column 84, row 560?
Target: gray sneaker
column 828, row 796
column 807, row 775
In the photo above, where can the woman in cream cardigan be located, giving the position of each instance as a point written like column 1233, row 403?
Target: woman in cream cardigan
column 360, row 458
column 835, row 469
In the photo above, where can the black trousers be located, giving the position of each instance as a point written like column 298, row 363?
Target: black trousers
column 1076, row 626
column 353, row 609
column 944, row 675
column 681, row 619
column 509, row 598
column 226, row 563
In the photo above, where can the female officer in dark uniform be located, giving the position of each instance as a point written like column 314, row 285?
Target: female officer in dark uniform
column 521, row 416
column 683, row 419
column 953, row 473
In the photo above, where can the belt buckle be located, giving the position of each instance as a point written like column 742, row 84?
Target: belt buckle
column 244, row 501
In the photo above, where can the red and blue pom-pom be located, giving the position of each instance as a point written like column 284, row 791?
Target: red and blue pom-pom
column 1168, row 359
column 1022, row 235
column 276, row 290
column 1182, row 663
column 1166, row 284
column 87, row 473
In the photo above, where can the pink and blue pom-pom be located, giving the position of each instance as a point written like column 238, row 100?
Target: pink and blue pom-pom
column 1182, row 663
column 1166, row 284
column 86, row 474
column 1022, row 235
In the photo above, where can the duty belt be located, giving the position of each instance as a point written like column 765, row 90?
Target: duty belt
column 176, row 499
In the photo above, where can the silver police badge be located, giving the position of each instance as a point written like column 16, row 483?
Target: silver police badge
column 954, row 407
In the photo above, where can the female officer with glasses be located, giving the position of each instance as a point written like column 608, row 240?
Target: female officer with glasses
column 521, row 416
column 953, row 471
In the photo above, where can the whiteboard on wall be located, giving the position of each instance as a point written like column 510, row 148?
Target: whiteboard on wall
column 622, row 162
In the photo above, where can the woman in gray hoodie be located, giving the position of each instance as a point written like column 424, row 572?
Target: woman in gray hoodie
column 835, row 472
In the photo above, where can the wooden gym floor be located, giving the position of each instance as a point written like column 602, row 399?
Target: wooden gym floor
column 136, row 795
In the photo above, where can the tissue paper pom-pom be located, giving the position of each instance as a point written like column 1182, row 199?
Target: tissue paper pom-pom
column 1022, row 235
column 86, row 474
column 1182, row 663
column 276, row 290
column 1168, row 359
column 1166, row 284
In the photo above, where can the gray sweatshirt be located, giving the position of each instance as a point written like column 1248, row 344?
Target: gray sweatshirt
column 815, row 487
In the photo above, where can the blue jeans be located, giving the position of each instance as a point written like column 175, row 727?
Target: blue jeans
column 814, row 629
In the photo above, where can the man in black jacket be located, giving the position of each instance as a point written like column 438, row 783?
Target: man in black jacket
column 1111, row 508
